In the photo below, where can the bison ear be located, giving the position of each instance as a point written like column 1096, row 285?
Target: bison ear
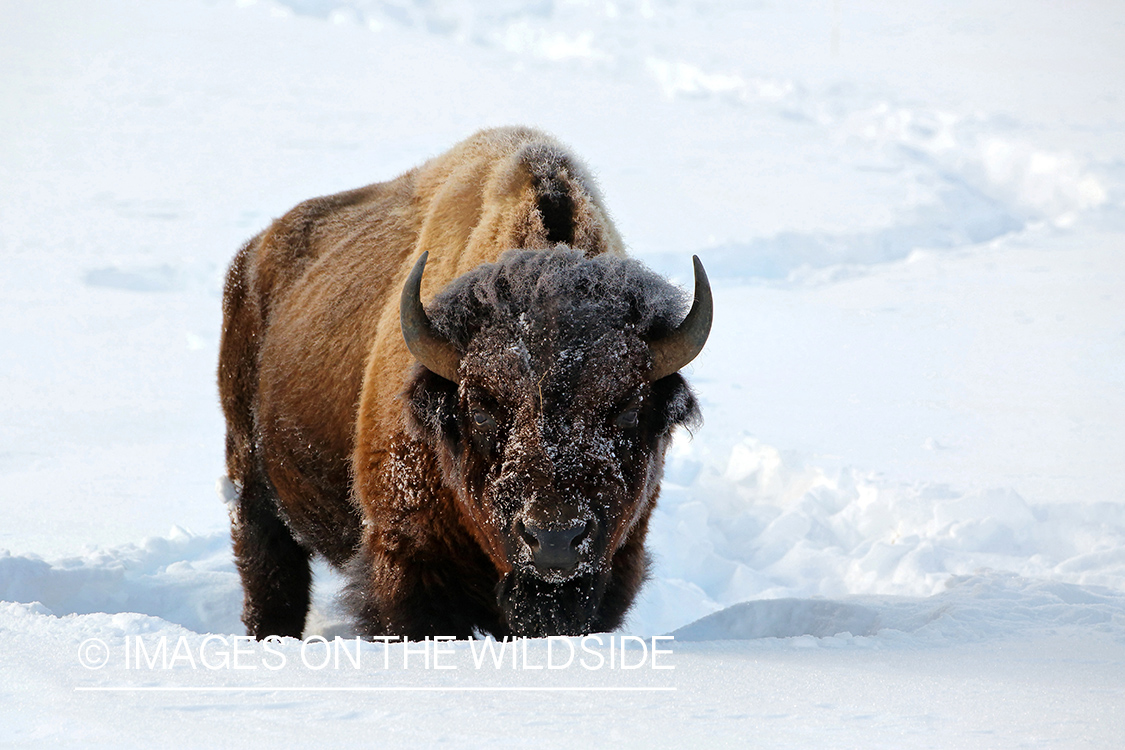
column 431, row 410
column 674, row 405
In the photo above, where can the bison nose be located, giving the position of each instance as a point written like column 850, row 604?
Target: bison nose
column 554, row 549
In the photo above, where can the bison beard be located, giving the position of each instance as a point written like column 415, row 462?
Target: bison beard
column 504, row 483
column 537, row 608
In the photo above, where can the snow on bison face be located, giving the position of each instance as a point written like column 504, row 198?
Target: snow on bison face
column 550, row 394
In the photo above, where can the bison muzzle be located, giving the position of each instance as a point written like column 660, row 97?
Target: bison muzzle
column 457, row 388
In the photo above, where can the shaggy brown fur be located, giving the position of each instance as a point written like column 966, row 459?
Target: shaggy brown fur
column 412, row 497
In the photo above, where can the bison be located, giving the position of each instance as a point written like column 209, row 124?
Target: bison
column 456, row 388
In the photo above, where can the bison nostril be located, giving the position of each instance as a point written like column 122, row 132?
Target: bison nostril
column 556, row 549
column 582, row 534
column 527, row 537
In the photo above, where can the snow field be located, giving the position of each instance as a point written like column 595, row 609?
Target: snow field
column 902, row 522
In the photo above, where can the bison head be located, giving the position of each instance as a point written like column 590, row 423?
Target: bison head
column 549, row 391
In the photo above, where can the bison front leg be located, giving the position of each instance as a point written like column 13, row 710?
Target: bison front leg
column 274, row 568
column 400, row 589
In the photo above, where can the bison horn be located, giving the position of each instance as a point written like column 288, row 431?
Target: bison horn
column 682, row 345
column 428, row 346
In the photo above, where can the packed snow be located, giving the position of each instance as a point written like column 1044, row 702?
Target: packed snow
column 902, row 523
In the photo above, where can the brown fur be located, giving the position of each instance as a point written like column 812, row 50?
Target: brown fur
column 312, row 365
column 312, row 355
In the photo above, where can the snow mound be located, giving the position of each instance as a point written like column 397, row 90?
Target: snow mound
column 988, row 605
column 768, row 526
column 781, row 618
column 184, row 579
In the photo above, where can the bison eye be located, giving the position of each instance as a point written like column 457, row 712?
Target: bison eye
column 628, row 419
column 483, row 420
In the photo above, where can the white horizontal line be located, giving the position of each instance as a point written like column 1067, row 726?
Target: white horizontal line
column 365, row 689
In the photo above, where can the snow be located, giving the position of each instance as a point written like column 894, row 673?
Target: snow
column 903, row 521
